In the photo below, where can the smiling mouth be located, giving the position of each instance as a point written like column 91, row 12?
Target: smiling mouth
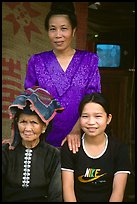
column 28, row 135
column 91, row 129
column 58, row 43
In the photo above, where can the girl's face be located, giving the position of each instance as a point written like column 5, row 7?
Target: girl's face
column 30, row 127
column 94, row 119
column 60, row 32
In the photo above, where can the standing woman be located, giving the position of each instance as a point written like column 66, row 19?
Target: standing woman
column 31, row 169
column 67, row 73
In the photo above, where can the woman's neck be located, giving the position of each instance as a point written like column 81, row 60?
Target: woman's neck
column 64, row 57
column 61, row 53
column 30, row 144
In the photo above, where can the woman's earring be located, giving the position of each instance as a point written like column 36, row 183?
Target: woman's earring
column 43, row 131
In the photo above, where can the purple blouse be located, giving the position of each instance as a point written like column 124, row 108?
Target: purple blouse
column 81, row 77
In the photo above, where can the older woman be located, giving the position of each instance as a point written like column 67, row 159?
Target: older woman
column 30, row 166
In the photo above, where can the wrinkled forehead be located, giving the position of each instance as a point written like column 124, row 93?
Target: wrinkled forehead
column 29, row 117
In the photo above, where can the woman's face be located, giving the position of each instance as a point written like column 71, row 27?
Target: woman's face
column 94, row 119
column 60, row 32
column 30, row 127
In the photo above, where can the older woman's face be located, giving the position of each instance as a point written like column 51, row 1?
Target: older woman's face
column 30, row 127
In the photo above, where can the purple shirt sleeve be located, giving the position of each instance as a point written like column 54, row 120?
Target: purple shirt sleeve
column 31, row 78
column 94, row 79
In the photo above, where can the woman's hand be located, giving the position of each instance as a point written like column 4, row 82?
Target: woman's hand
column 5, row 141
column 73, row 141
column 8, row 141
column 73, row 138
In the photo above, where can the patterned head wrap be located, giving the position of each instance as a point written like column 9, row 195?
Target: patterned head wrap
column 40, row 101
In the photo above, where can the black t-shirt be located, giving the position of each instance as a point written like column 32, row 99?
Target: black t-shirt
column 93, row 176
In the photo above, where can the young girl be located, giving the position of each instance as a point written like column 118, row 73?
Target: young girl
column 98, row 171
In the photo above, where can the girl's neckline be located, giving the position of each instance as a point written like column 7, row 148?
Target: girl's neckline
column 99, row 155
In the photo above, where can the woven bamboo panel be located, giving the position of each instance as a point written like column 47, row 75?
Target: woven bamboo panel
column 23, row 34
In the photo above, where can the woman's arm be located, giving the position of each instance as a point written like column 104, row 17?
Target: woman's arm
column 73, row 138
column 119, row 185
column 30, row 78
column 68, row 186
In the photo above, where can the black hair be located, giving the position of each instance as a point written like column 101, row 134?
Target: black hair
column 98, row 98
column 66, row 8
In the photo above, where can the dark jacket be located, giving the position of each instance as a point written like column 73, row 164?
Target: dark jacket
column 31, row 175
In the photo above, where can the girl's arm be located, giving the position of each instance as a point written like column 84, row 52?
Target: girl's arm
column 68, row 186
column 119, row 185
